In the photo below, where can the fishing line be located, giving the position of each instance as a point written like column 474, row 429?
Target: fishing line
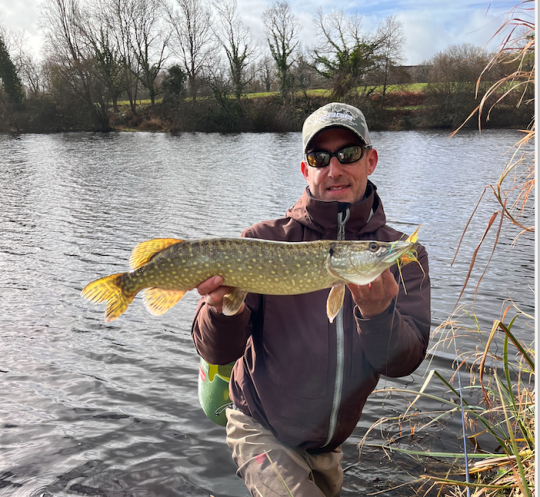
column 462, row 421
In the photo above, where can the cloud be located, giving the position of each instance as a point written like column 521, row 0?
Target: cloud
column 429, row 25
column 20, row 15
column 427, row 34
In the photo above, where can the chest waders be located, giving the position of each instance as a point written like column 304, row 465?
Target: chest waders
column 214, row 390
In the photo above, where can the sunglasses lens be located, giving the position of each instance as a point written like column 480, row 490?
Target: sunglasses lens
column 318, row 159
column 349, row 154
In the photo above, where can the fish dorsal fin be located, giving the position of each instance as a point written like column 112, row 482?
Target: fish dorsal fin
column 158, row 301
column 144, row 252
column 335, row 300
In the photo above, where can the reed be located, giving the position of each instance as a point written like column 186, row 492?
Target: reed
column 502, row 385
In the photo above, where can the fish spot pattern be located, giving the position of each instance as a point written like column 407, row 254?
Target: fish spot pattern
column 253, row 265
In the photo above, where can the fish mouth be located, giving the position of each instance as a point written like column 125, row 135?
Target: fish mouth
column 396, row 251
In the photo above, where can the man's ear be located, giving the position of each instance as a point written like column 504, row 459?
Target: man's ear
column 373, row 158
column 305, row 169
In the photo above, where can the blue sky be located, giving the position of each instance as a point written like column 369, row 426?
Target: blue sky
column 429, row 25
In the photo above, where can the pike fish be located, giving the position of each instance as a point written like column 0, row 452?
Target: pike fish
column 167, row 268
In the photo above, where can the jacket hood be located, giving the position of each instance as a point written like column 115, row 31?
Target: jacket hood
column 322, row 216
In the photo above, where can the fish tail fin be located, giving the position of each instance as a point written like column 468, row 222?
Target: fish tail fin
column 145, row 251
column 158, row 300
column 111, row 290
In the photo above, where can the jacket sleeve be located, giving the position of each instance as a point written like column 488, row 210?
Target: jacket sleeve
column 221, row 339
column 395, row 342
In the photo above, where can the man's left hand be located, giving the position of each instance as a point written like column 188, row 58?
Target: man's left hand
column 375, row 298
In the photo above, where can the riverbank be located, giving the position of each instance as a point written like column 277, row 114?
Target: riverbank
column 396, row 111
column 400, row 108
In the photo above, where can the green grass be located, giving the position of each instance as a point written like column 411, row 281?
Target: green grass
column 408, row 107
column 321, row 92
column 413, row 87
column 122, row 103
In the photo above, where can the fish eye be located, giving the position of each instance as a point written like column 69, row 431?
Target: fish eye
column 373, row 246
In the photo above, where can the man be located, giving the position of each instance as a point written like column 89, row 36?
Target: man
column 300, row 382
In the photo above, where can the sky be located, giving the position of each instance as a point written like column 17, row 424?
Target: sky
column 430, row 26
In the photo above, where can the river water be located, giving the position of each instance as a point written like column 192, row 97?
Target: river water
column 89, row 408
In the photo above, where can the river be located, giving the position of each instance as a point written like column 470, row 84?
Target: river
column 89, row 408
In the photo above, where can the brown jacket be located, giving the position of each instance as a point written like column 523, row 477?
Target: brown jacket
column 304, row 378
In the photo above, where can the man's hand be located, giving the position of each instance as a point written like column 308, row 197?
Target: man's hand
column 213, row 293
column 375, row 298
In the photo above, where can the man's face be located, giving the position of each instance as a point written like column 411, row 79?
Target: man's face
column 341, row 182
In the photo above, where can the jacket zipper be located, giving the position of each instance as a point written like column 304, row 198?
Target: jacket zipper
column 340, row 347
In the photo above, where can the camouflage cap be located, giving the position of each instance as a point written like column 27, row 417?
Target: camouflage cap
column 335, row 115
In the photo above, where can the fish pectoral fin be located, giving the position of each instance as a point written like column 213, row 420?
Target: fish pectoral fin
column 158, row 301
column 109, row 289
column 335, row 300
column 145, row 251
column 233, row 301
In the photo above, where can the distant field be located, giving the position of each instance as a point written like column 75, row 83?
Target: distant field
column 122, row 103
column 413, row 87
column 408, row 107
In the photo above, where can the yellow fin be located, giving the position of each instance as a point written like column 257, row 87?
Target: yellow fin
column 410, row 256
column 109, row 289
column 158, row 301
column 414, row 237
column 335, row 300
column 144, row 252
column 233, row 301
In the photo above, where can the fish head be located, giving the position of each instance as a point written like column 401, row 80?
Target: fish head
column 360, row 262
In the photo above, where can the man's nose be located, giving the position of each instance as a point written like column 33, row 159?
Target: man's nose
column 334, row 168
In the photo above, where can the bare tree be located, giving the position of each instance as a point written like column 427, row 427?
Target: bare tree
column 73, row 58
column 235, row 38
column 391, row 39
column 118, row 15
column 99, row 37
column 149, row 42
column 346, row 55
column 32, row 76
column 452, row 83
column 192, row 38
column 282, row 28
column 265, row 70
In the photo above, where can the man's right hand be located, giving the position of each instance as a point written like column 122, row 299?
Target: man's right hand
column 213, row 293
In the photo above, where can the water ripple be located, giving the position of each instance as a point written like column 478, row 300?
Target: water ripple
column 90, row 408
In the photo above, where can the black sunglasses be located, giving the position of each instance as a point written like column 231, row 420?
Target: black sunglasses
column 346, row 155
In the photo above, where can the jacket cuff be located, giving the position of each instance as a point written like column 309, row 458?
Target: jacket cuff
column 218, row 319
column 376, row 320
